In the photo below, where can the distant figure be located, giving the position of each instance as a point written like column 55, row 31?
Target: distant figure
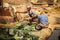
column 6, row 11
column 12, row 9
column 42, row 21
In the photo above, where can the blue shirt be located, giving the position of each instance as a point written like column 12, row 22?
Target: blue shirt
column 43, row 19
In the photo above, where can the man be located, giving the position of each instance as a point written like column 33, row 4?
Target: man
column 32, row 13
column 12, row 10
column 43, row 21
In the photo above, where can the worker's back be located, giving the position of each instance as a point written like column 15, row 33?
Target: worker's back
column 43, row 19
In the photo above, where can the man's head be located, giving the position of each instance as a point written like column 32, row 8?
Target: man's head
column 28, row 8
